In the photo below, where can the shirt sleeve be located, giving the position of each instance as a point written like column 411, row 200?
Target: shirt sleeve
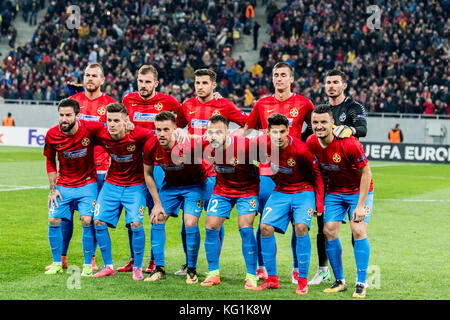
column 253, row 120
column 181, row 118
column 354, row 151
column 50, row 154
column 148, row 158
column 235, row 114
column 359, row 118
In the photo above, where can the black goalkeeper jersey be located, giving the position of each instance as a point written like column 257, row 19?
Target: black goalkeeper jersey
column 351, row 113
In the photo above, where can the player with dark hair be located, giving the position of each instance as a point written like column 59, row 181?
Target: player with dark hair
column 297, row 195
column 349, row 191
column 73, row 182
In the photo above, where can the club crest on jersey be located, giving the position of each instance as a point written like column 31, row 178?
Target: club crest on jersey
column 253, row 203
column 336, row 158
column 141, row 209
column 85, row 142
column 158, row 106
column 101, row 111
column 93, row 203
column 234, row 161
column 291, row 162
column 200, row 204
column 216, row 113
column 310, row 212
column 342, row 117
column 293, row 112
column 131, row 147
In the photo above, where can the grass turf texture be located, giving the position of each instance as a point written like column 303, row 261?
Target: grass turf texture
column 409, row 243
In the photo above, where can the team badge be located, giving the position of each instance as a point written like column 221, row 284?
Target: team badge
column 216, row 112
column 85, row 142
column 342, row 117
column 366, row 210
column 158, row 106
column 101, row 111
column 141, row 209
column 253, row 203
column 93, row 203
column 336, row 158
column 131, row 147
column 294, row 112
column 310, row 212
column 234, row 161
column 200, row 203
column 291, row 162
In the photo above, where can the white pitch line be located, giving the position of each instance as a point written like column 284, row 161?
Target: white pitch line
column 413, row 200
column 17, row 188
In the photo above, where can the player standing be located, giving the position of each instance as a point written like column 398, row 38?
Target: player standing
column 195, row 113
column 143, row 105
column 184, row 184
column 124, row 187
column 349, row 190
column 298, row 192
column 237, row 183
column 74, row 182
column 298, row 111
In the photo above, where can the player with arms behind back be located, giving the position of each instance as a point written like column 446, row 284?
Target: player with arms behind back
column 349, row 189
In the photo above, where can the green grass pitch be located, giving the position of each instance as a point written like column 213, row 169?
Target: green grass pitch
column 408, row 234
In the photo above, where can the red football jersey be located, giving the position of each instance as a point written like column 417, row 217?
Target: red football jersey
column 126, row 156
column 75, row 154
column 182, row 164
column 295, row 169
column 195, row 114
column 341, row 160
column 95, row 110
column 236, row 174
column 142, row 112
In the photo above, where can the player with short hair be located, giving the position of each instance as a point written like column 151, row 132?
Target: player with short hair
column 143, row 105
column 195, row 113
column 298, row 192
column 237, row 183
column 93, row 104
column 184, row 184
column 74, row 182
column 124, row 187
column 298, row 110
column 349, row 190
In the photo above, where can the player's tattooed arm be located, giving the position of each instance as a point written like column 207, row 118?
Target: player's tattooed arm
column 54, row 193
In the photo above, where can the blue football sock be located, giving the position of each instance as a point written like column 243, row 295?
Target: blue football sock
column 258, row 246
column 362, row 255
column 67, row 232
column 221, row 236
column 88, row 243
column 249, row 249
column 193, row 245
column 294, row 248
column 55, row 241
column 334, row 253
column 183, row 239
column 158, row 242
column 104, row 242
column 212, row 248
column 303, row 245
column 130, row 242
column 269, row 253
column 138, row 245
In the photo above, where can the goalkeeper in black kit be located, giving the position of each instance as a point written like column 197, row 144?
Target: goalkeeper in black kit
column 350, row 119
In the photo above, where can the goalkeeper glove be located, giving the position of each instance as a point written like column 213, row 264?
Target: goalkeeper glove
column 342, row 131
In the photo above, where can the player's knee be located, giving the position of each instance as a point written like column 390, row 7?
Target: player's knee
column 136, row 225
column 329, row 231
column 190, row 220
column 86, row 220
column 266, row 230
column 99, row 223
column 301, row 229
column 358, row 231
column 54, row 221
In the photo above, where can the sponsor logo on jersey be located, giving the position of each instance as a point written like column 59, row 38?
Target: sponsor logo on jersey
column 172, row 167
column 86, row 117
column 253, row 203
column 122, row 158
column 101, row 111
column 144, row 117
column 223, row 169
column 85, row 142
column 294, row 112
column 75, row 154
column 329, row 167
column 158, row 106
column 336, row 158
column 291, row 162
column 342, row 117
column 310, row 212
column 197, row 123
column 280, row 169
column 200, row 204
column 131, row 147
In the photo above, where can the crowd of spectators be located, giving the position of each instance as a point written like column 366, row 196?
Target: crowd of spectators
column 402, row 66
